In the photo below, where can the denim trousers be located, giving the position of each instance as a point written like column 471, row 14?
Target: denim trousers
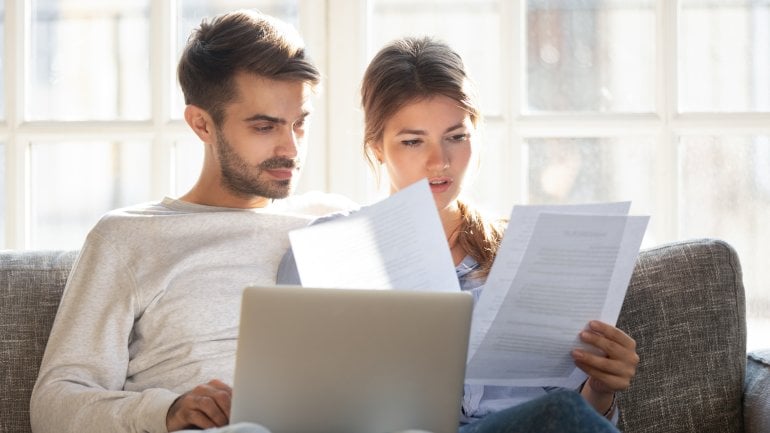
column 556, row 412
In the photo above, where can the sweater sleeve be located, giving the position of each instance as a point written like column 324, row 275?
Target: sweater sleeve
column 80, row 384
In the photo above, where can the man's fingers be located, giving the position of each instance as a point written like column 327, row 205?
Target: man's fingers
column 205, row 406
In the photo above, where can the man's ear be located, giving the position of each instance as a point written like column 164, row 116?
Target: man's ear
column 201, row 123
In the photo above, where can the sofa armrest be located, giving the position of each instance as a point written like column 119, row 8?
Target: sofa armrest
column 756, row 392
column 685, row 308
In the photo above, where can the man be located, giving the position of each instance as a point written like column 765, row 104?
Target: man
column 145, row 336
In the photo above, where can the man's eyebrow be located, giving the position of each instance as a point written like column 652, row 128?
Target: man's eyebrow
column 271, row 119
column 264, row 117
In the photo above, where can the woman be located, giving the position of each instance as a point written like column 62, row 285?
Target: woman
column 421, row 118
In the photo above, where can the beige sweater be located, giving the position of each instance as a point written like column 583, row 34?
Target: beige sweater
column 150, row 310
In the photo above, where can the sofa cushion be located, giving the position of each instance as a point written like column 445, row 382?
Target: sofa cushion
column 756, row 402
column 685, row 301
column 31, row 284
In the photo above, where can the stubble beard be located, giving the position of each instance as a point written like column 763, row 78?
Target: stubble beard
column 246, row 180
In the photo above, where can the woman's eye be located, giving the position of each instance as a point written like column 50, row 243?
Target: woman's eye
column 410, row 143
column 459, row 137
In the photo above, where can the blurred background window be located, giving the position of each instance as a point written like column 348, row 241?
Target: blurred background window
column 664, row 103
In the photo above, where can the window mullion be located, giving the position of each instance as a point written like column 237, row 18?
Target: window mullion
column 666, row 155
column 162, row 84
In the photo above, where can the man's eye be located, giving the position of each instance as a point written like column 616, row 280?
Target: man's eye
column 264, row 128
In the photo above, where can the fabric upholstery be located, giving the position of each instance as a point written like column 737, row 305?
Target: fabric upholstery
column 756, row 400
column 31, row 284
column 685, row 308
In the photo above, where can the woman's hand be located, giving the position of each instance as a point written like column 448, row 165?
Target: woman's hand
column 610, row 371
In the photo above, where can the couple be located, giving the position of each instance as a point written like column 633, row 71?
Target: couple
column 145, row 336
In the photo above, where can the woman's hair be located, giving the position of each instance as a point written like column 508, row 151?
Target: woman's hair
column 239, row 41
column 414, row 69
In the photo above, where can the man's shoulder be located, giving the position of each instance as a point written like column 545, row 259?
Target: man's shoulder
column 316, row 204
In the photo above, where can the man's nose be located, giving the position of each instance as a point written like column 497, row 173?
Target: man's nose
column 289, row 145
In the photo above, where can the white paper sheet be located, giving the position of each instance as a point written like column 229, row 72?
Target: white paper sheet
column 575, row 268
column 509, row 256
column 397, row 243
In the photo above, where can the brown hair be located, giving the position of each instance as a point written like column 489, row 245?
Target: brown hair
column 242, row 40
column 411, row 69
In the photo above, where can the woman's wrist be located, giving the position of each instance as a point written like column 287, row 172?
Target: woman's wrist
column 603, row 402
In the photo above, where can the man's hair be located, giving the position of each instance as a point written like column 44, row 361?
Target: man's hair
column 239, row 41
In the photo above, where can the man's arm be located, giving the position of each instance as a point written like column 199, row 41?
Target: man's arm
column 81, row 379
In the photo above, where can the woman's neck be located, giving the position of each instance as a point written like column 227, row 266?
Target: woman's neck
column 451, row 220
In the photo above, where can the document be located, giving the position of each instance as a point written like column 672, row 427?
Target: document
column 397, row 243
column 574, row 268
column 517, row 235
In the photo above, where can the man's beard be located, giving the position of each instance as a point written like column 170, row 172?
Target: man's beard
column 246, row 180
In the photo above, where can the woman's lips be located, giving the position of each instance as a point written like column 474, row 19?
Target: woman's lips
column 439, row 184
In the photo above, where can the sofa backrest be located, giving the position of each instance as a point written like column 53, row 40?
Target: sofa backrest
column 31, row 284
column 685, row 308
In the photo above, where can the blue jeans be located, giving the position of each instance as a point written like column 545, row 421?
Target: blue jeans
column 555, row 412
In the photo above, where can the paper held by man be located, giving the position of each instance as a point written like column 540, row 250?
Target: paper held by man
column 558, row 267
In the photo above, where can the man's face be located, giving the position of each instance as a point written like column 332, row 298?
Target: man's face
column 261, row 141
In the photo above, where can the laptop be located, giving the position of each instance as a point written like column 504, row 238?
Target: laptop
column 351, row 361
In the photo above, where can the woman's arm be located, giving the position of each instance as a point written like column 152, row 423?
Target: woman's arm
column 609, row 371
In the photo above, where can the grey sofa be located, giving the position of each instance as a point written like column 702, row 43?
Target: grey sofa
column 684, row 306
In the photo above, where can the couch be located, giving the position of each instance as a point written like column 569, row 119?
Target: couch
column 684, row 306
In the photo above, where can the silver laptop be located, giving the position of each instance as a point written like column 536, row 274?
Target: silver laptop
column 351, row 361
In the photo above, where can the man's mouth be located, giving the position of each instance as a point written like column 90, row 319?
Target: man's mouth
column 281, row 173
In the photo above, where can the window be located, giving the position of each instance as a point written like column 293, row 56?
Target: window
column 660, row 102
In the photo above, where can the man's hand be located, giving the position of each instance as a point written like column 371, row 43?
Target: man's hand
column 206, row 406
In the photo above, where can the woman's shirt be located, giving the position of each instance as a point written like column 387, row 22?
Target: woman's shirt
column 481, row 400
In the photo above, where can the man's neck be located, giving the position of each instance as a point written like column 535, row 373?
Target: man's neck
column 225, row 200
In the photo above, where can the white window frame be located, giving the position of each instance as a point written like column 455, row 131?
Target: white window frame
column 337, row 36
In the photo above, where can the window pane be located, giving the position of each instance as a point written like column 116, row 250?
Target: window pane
column 3, row 208
column 89, row 60
column 2, row 60
column 589, row 170
column 484, row 185
column 724, row 55
column 472, row 28
column 725, row 193
column 188, row 160
column 73, row 183
column 191, row 12
column 590, row 56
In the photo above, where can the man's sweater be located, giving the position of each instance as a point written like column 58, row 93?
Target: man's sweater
column 150, row 310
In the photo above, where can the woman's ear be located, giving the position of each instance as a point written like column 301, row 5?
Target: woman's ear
column 376, row 148
column 200, row 122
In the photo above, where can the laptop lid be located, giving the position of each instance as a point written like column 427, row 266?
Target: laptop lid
column 351, row 361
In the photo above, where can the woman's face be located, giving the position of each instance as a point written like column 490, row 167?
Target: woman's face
column 428, row 138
